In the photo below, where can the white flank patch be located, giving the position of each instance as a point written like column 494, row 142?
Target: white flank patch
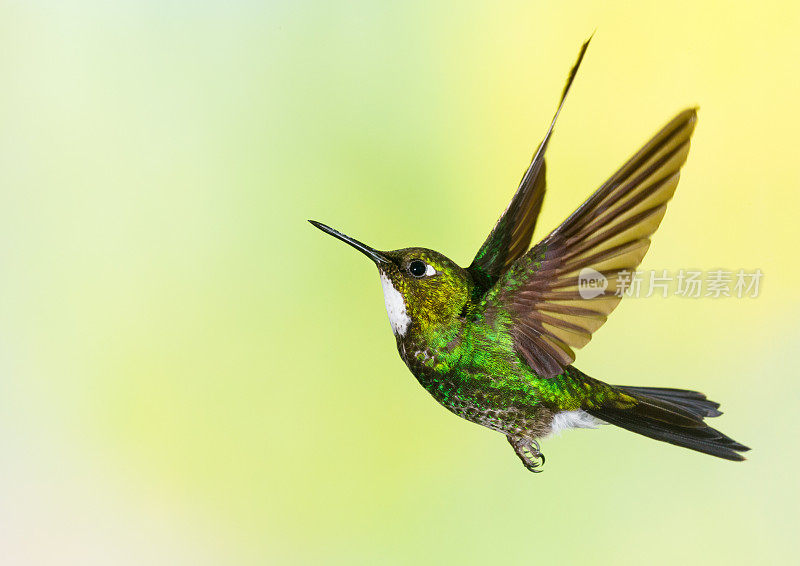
column 395, row 307
column 573, row 419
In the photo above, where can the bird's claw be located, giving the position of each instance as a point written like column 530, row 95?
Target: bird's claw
column 529, row 452
column 536, row 462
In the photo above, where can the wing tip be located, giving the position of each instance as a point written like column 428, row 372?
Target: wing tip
column 574, row 71
column 688, row 116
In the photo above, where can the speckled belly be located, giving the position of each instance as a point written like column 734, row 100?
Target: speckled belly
column 472, row 397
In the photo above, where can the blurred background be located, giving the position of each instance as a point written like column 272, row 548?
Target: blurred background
column 191, row 374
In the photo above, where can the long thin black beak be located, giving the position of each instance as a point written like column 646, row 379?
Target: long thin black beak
column 371, row 253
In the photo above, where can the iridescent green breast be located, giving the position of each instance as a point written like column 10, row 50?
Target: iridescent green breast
column 476, row 375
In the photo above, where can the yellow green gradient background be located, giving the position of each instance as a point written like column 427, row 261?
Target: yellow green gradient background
column 191, row 374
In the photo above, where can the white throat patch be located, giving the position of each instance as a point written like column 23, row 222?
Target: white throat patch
column 395, row 307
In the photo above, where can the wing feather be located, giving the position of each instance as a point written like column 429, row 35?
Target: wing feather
column 608, row 234
column 511, row 236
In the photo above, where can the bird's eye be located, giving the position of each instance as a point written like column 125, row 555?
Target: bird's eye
column 417, row 268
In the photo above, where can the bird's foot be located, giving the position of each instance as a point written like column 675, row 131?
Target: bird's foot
column 529, row 452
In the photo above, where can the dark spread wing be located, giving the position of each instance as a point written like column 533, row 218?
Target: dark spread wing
column 512, row 234
column 608, row 234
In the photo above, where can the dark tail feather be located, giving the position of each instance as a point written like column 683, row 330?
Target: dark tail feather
column 674, row 416
column 693, row 401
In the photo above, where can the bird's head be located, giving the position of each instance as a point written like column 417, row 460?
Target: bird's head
column 422, row 288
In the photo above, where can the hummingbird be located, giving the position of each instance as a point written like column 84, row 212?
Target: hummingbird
column 494, row 342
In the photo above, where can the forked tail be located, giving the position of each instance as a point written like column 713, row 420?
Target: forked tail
column 674, row 416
